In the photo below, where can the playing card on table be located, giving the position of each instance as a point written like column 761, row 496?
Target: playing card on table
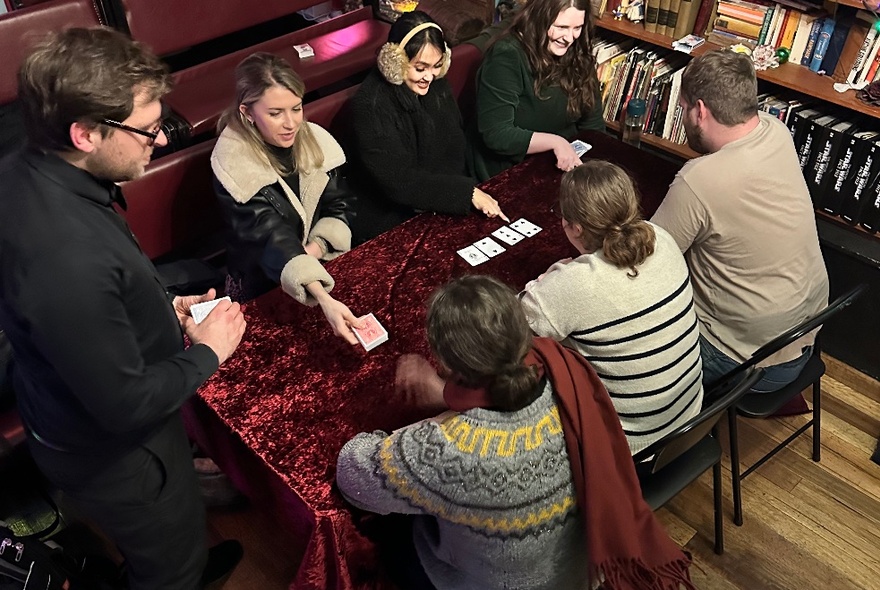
column 199, row 311
column 507, row 235
column 525, row 227
column 372, row 334
column 473, row 255
column 489, row 247
column 580, row 147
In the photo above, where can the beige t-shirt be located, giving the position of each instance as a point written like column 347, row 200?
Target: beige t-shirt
column 744, row 220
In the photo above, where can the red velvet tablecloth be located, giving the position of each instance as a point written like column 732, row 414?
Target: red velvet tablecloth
column 276, row 414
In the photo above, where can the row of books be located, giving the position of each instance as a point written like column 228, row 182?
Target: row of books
column 673, row 18
column 755, row 22
column 839, row 154
column 840, row 158
column 646, row 72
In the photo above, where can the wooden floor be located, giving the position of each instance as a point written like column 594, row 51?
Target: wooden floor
column 807, row 525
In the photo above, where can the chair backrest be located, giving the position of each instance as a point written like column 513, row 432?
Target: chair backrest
column 21, row 29
column 804, row 328
column 726, row 393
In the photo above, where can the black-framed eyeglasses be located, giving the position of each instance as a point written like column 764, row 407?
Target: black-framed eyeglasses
column 151, row 135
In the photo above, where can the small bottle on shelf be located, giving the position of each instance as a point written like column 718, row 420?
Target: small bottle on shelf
column 635, row 120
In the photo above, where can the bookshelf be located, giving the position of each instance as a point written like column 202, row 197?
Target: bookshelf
column 791, row 76
column 852, row 254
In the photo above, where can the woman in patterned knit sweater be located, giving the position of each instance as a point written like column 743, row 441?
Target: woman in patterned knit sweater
column 625, row 303
column 493, row 485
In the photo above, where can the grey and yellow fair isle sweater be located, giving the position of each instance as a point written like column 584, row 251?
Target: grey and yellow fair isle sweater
column 494, row 491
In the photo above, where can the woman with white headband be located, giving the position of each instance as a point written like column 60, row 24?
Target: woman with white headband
column 409, row 145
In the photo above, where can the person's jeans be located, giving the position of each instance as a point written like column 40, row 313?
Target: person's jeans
column 716, row 364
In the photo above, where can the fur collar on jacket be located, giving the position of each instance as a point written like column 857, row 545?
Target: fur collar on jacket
column 243, row 173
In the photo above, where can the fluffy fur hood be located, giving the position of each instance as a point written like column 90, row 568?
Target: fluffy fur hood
column 243, row 173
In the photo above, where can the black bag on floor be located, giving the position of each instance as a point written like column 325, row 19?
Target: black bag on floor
column 27, row 564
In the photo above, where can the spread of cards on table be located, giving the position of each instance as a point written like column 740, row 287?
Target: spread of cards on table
column 199, row 311
column 372, row 334
column 482, row 250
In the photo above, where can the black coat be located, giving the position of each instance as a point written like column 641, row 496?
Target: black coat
column 408, row 155
column 100, row 362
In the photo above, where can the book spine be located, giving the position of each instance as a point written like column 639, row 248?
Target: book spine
column 856, row 179
column 784, row 16
column 766, row 25
column 871, row 212
column 822, row 44
column 651, row 14
column 790, row 30
column 686, row 16
column 749, row 16
column 737, row 26
column 663, row 17
column 870, row 67
column 862, row 55
column 811, row 42
column 672, row 17
column 707, row 7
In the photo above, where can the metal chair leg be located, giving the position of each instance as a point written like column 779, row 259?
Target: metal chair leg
column 734, row 467
column 817, row 420
column 719, row 515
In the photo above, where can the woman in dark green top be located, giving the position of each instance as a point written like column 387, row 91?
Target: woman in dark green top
column 537, row 87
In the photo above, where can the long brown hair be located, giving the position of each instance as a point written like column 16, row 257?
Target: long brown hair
column 601, row 198
column 574, row 72
column 256, row 74
column 477, row 328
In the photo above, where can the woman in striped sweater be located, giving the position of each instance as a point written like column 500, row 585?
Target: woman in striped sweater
column 625, row 303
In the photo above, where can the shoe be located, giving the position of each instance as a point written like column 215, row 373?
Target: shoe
column 222, row 560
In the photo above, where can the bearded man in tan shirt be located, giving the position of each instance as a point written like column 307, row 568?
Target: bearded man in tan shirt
column 742, row 216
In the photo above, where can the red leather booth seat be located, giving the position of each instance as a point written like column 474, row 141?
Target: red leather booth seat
column 21, row 29
column 172, row 207
column 326, row 109
column 169, row 26
column 344, row 46
column 462, row 76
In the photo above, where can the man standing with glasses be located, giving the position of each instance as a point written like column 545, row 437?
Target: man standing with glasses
column 100, row 365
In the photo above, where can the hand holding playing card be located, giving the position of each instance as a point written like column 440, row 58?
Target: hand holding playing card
column 182, row 305
column 221, row 330
column 419, row 383
column 340, row 317
column 566, row 158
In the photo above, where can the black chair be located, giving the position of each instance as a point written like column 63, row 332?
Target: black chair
column 762, row 405
column 670, row 464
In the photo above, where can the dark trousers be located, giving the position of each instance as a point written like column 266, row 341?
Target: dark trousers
column 146, row 499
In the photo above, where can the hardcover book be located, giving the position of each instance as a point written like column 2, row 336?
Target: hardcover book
column 864, row 166
column 822, row 42
column 823, row 143
column 839, row 161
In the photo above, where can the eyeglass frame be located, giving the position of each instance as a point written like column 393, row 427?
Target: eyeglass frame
column 152, row 136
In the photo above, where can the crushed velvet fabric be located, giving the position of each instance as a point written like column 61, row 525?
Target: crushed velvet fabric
column 276, row 414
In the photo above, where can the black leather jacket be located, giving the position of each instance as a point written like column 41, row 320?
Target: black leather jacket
column 266, row 232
